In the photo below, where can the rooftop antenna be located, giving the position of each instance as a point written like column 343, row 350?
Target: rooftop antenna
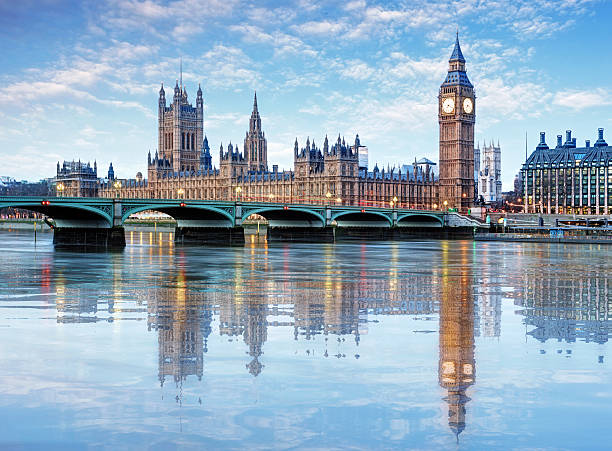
column 181, row 69
column 525, row 146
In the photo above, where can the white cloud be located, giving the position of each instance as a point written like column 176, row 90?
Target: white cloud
column 323, row 28
column 355, row 5
column 579, row 100
column 517, row 101
column 233, row 68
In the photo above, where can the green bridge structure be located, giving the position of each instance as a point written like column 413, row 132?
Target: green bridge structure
column 100, row 222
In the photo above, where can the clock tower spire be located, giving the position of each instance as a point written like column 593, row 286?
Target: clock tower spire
column 456, row 117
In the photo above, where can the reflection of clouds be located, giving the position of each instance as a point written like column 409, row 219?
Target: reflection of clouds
column 577, row 377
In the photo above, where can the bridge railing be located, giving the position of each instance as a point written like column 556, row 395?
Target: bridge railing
column 268, row 199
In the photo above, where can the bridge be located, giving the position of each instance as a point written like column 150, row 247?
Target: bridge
column 101, row 221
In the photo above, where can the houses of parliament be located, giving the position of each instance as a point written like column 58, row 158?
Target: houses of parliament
column 330, row 172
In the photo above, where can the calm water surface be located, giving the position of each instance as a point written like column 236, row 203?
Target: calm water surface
column 394, row 345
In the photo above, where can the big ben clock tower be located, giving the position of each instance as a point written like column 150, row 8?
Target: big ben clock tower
column 456, row 116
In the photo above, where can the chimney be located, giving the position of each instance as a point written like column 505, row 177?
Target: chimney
column 568, row 136
column 588, row 143
column 559, row 141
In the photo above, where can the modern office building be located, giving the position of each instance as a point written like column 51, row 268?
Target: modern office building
column 568, row 179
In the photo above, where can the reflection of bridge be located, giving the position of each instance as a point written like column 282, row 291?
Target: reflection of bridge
column 99, row 221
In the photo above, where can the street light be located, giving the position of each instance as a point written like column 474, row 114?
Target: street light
column 60, row 188
column 238, row 191
column 117, row 186
column 339, row 200
column 328, row 195
column 181, row 193
column 446, row 205
column 435, row 206
column 394, row 201
column 271, row 197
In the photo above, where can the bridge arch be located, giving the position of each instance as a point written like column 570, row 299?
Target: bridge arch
column 67, row 215
column 279, row 216
column 420, row 220
column 187, row 215
column 358, row 218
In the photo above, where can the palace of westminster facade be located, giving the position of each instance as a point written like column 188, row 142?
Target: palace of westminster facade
column 182, row 165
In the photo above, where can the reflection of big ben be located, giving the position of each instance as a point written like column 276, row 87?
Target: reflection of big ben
column 456, row 369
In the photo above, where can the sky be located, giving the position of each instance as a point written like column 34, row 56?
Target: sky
column 80, row 80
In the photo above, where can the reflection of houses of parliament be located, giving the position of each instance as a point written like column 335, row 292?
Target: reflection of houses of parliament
column 457, row 370
column 569, row 309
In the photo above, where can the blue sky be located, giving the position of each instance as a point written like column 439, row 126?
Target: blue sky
column 81, row 79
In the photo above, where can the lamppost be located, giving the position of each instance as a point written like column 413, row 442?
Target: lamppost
column 181, row 193
column 117, row 186
column 271, row 197
column 328, row 195
column 238, row 191
column 445, row 205
column 394, row 202
column 338, row 200
column 60, row 189
column 435, row 206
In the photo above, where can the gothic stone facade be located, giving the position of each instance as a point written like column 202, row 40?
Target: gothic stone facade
column 456, row 116
column 330, row 173
column 487, row 170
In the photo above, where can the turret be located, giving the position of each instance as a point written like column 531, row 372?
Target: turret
column 542, row 145
column 177, row 92
column 162, row 97
column 600, row 139
column 111, row 172
column 326, row 146
column 199, row 98
column 295, row 151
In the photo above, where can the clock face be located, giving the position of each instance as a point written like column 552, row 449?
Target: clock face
column 448, row 105
column 468, row 106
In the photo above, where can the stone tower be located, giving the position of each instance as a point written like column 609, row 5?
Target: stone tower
column 255, row 145
column 456, row 116
column 180, row 128
column 490, row 184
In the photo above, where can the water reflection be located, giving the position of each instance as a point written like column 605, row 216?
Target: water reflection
column 183, row 324
column 569, row 308
column 321, row 339
column 457, row 367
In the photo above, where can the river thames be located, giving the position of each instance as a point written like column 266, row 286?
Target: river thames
column 376, row 345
